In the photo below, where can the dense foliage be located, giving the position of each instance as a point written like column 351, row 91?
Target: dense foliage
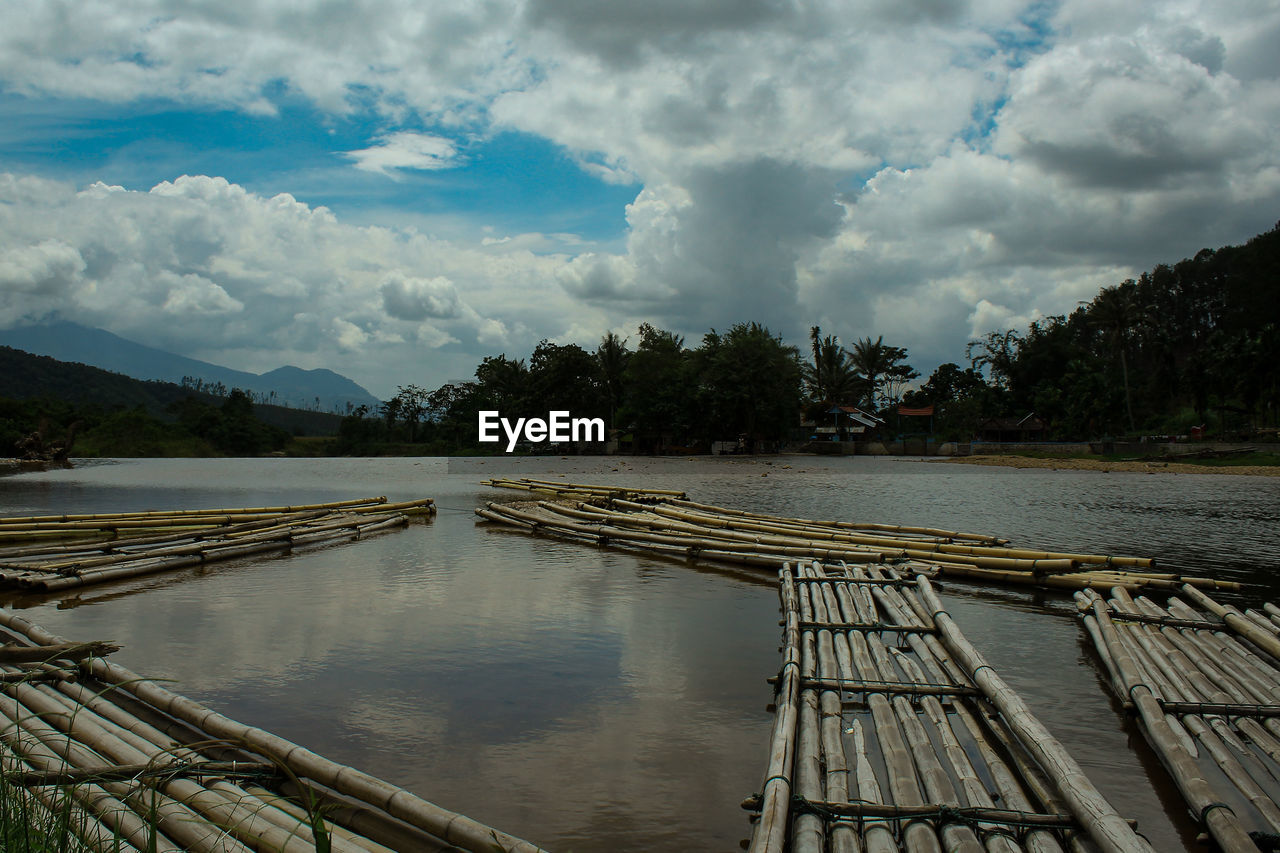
column 189, row 427
column 1193, row 344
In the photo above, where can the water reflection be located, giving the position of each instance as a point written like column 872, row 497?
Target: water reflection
column 597, row 699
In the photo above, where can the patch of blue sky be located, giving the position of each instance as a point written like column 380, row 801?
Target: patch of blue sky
column 1031, row 37
column 1016, row 46
column 849, row 187
column 983, row 120
column 511, row 182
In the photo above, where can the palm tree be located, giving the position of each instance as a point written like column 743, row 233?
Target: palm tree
column 612, row 356
column 830, row 378
column 872, row 360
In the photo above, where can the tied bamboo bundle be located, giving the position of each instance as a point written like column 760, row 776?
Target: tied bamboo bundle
column 892, row 733
column 147, row 769
column 1205, row 683
column 577, row 490
column 165, row 540
column 685, row 528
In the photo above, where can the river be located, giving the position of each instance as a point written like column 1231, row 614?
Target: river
column 600, row 700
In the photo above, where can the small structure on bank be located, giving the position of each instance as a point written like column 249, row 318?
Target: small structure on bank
column 1013, row 430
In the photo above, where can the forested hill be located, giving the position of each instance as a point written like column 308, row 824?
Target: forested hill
column 1192, row 343
column 286, row 386
column 24, row 376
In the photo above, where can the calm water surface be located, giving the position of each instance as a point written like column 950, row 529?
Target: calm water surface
column 596, row 700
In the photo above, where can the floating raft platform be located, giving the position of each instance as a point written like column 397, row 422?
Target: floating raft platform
column 660, row 522
column 891, row 733
column 49, row 553
column 1204, row 680
column 562, row 489
column 138, row 768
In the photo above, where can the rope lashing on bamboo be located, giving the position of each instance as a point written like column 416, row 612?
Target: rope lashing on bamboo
column 875, row 627
column 925, row 775
column 940, row 813
column 1192, row 624
column 1191, row 686
column 1268, row 842
column 858, row 581
column 1210, row 807
column 138, row 772
column 1225, row 709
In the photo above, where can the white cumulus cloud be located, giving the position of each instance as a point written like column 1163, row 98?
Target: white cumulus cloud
column 406, row 150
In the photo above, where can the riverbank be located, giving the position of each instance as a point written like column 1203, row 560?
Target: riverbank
column 1108, row 465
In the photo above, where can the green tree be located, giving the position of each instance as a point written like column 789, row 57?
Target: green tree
column 830, row 377
column 612, row 356
column 750, row 384
column 997, row 353
column 658, row 399
column 1116, row 312
column 504, row 382
column 880, row 365
column 565, row 377
column 412, row 406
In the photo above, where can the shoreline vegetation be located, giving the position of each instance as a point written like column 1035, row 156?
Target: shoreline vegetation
column 1255, row 464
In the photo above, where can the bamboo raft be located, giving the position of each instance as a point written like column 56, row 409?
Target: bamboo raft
column 576, row 490
column 49, row 553
column 138, row 768
column 892, row 733
column 1204, row 681
column 660, row 522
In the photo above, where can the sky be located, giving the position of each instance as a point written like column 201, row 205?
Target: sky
column 394, row 189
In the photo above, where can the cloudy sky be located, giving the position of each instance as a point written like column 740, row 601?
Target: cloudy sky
column 395, row 188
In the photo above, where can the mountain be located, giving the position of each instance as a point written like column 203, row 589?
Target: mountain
column 292, row 386
column 24, row 376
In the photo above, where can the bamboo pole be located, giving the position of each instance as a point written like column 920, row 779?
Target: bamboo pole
column 66, row 573
column 770, row 832
column 694, row 544
column 449, row 826
column 125, row 543
column 816, row 530
column 1104, row 825
column 834, row 760
column 286, row 805
column 106, row 809
column 1221, row 822
column 1237, row 622
column 1181, row 680
column 193, row 512
column 903, row 787
column 892, row 528
column 169, row 817
column 600, row 524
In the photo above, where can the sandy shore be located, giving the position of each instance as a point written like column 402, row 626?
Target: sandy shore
column 1105, row 465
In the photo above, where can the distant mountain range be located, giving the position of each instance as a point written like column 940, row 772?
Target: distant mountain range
column 292, row 386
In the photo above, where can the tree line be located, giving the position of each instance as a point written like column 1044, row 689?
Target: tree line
column 1195, row 344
